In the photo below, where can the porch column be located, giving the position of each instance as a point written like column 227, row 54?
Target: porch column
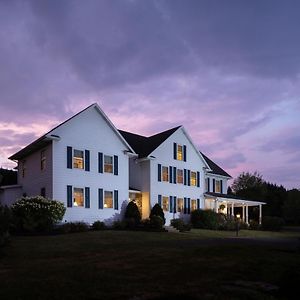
column 216, row 205
column 247, row 221
column 232, row 209
column 260, row 214
column 243, row 216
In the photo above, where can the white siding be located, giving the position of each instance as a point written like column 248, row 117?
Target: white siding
column 89, row 131
column 9, row 194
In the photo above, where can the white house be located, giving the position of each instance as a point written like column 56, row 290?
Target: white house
column 95, row 169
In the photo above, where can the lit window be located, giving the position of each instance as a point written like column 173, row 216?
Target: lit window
column 193, row 204
column 43, row 160
column 179, row 204
column 179, row 176
column 23, row 168
column 218, row 186
column 78, row 159
column 108, row 199
column 108, row 164
column 193, row 179
column 179, row 152
column 78, row 197
column 165, row 203
column 165, row 174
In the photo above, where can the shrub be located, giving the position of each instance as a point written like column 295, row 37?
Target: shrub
column 206, row 219
column 226, row 222
column 253, row 225
column 180, row 225
column 119, row 225
column 37, row 214
column 132, row 215
column 98, row 225
column 5, row 224
column 72, row 227
column 272, row 223
column 156, row 223
column 157, row 211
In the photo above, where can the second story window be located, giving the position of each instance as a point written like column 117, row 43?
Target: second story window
column 78, row 161
column 43, row 160
column 179, row 152
column 193, row 179
column 23, row 168
column 218, row 186
column 165, row 174
column 108, row 164
column 179, row 176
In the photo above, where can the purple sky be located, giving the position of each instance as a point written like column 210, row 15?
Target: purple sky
column 229, row 71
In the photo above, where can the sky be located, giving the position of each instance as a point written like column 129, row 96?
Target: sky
column 228, row 71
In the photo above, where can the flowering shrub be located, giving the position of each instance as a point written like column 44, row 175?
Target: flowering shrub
column 37, row 214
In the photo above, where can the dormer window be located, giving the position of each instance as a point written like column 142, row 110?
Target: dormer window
column 179, row 152
column 78, row 161
column 218, row 188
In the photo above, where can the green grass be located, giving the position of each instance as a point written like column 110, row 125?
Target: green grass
column 140, row 265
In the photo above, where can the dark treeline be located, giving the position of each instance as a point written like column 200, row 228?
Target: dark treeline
column 8, row 177
column 280, row 201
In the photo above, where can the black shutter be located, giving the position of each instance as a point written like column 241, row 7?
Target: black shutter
column 69, row 157
column 100, row 198
column 159, row 172
column 189, row 205
column 174, row 174
column 174, row 207
column 175, row 150
column 214, row 183
column 116, row 199
column 189, row 177
column 221, row 184
column 198, row 203
column 185, row 206
column 69, row 196
column 184, row 152
column 87, row 197
column 87, row 160
column 170, row 174
column 171, row 203
column 184, row 176
column 208, row 184
column 100, row 162
column 116, row 165
column 198, row 179
column 159, row 200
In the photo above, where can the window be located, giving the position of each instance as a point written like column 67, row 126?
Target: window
column 23, row 168
column 165, row 203
column 218, row 186
column 206, row 184
column 179, row 176
column 193, row 204
column 78, row 197
column 108, row 164
column 193, row 178
column 43, row 160
column 43, row 192
column 179, row 204
column 108, row 199
column 179, row 152
column 165, row 174
column 78, row 159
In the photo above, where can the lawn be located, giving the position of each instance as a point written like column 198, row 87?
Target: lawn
column 140, row 265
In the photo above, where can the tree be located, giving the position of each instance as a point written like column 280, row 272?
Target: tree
column 291, row 207
column 132, row 212
column 157, row 211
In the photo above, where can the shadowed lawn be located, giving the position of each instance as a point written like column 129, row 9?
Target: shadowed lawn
column 141, row 265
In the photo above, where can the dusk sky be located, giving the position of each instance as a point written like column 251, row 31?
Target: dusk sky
column 228, row 71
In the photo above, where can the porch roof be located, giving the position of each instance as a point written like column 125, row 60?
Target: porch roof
column 233, row 199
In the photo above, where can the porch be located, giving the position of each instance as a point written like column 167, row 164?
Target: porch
column 232, row 205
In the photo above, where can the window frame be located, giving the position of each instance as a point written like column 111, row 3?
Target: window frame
column 74, row 158
column 195, row 204
column 193, row 181
column 165, row 175
column 178, row 176
column 105, row 165
column 165, row 206
column 104, row 200
column 180, row 208
column 73, row 196
column 218, row 185
column 179, row 154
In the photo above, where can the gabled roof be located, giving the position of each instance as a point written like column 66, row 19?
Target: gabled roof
column 47, row 138
column 214, row 167
column 144, row 146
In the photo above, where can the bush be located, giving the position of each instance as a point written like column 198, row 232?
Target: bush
column 5, row 224
column 226, row 222
column 72, row 227
column 156, row 223
column 253, row 225
column 98, row 225
column 157, row 211
column 37, row 214
column 206, row 219
column 180, row 225
column 272, row 223
column 132, row 215
column 119, row 225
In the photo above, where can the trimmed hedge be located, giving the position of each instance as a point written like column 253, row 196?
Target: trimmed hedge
column 132, row 214
column 98, row 225
column 205, row 219
column 180, row 225
column 157, row 211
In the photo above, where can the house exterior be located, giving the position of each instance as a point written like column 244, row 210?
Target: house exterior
column 95, row 169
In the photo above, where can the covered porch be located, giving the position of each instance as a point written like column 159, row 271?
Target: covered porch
column 232, row 205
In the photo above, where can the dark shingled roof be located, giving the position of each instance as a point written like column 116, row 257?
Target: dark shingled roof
column 144, row 146
column 215, row 168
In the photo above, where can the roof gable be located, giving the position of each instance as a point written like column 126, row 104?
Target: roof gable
column 215, row 169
